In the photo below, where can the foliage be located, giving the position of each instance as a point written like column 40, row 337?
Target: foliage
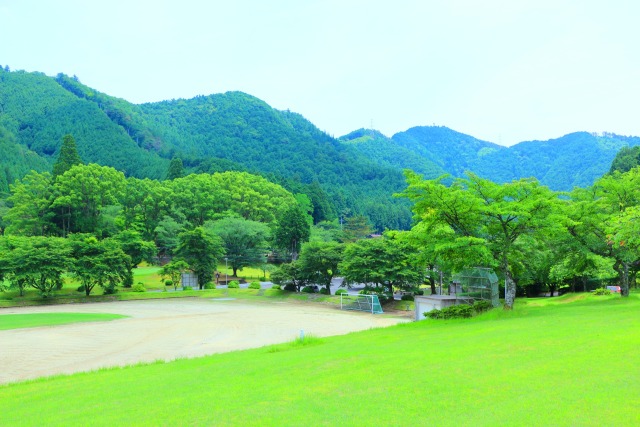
column 341, row 291
column 245, row 241
column 254, row 285
column 462, row 311
column 383, row 263
column 98, row 263
column 602, row 291
column 138, row 287
column 233, row 284
column 319, row 262
column 173, row 270
column 292, row 230
column 68, row 156
column 201, row 250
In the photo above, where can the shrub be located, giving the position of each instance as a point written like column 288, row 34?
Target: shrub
column 138, row 287
column 602, row 291
column 325, row 291
column 276, row 287
column 482, row 305
column 168, row 282
column 80, row 288
column 462, row 311
column 209, row 285
column 233, row 284
column 407, row 297
column 289, row 287
column 341, row 291
column 187, row 288
column 254, row 285
column 307, row 290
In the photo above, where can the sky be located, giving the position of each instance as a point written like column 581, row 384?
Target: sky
column 503, row 71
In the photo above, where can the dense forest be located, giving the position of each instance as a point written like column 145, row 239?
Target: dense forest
column 356, row 175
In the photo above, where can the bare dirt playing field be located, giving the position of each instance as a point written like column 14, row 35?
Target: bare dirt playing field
column 166, row 330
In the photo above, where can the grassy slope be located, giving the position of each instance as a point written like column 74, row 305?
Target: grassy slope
column 557, row 364
column 15, row 321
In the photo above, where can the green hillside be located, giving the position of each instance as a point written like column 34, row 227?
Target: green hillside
column 576, row 159
column 230, row 131
column 37, row 111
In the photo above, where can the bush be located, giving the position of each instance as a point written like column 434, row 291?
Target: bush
column 168, row 282
column 602, row 291
column 254, row 285
column 233, row 284
column 187, row 288
column 407, row 297
column 325, row 291
column 307, row 290
column 138, row 287
column 462, row 311
column 80, row 288
column 341, row 291
column 209, row 285
column 482, row 305
column 276, row 287
column 289, row 287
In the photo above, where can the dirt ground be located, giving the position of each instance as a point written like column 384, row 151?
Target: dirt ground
column 166, row 330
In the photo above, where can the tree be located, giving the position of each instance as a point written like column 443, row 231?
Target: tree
column 319, row 262
column 68, row 156
column 389, row 262
column 173, row 270
column 38, row 262
column 81, row 193
column 176, row 169
column 30, row 214
column 292, row 230
column 356, row 227
column 475, row 218
column 98, row 263
column 290, row 275
column 138, row 250
column 245, row 241
column 201, row 250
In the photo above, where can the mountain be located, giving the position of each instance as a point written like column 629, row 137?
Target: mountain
column 574, row 160
column 230, row 131
column 354, row 175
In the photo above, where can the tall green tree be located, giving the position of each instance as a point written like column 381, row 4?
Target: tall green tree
column 292, row 230
column 68, row 156
column 37, row 261
column 98, row 263
column 487, row 217
column 202, row 250
column 386, row 263
column 30, row 214
column 173, row 270
column 245, row 241
column 139, row 250
column 176, row 169
column 319, row 262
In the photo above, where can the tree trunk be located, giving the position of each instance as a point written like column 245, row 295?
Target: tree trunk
column 584, row 283
column 509, row 289
column 235, row 271
column 624, row 285
column 432, row 282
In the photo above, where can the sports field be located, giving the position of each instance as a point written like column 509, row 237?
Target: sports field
column 164, row 330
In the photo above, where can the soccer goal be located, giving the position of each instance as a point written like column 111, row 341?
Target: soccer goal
column 369, row 303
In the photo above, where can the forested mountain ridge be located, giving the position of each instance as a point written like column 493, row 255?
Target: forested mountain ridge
column 357, row 174
column 574, row 160
column 214, row 133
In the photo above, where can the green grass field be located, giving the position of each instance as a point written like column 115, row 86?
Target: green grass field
column 16, row 321
column 568, row 361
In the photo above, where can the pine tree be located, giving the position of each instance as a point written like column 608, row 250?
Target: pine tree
column 176, row 169
column 68, row 156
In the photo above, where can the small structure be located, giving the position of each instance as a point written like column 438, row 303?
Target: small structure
column 472, row 284
column 189, row 280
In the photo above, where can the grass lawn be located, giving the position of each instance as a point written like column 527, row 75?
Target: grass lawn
column 15, row 321
column 563, row 361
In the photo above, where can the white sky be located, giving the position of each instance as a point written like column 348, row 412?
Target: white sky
column 501, row 70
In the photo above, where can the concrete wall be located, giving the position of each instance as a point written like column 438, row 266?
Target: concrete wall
column 426, row 303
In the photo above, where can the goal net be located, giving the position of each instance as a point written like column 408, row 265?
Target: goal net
column 369, row 303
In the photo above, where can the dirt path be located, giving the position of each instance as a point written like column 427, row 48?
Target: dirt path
column 164, row 329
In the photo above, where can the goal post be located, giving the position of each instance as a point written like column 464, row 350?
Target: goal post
column 368, row 303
